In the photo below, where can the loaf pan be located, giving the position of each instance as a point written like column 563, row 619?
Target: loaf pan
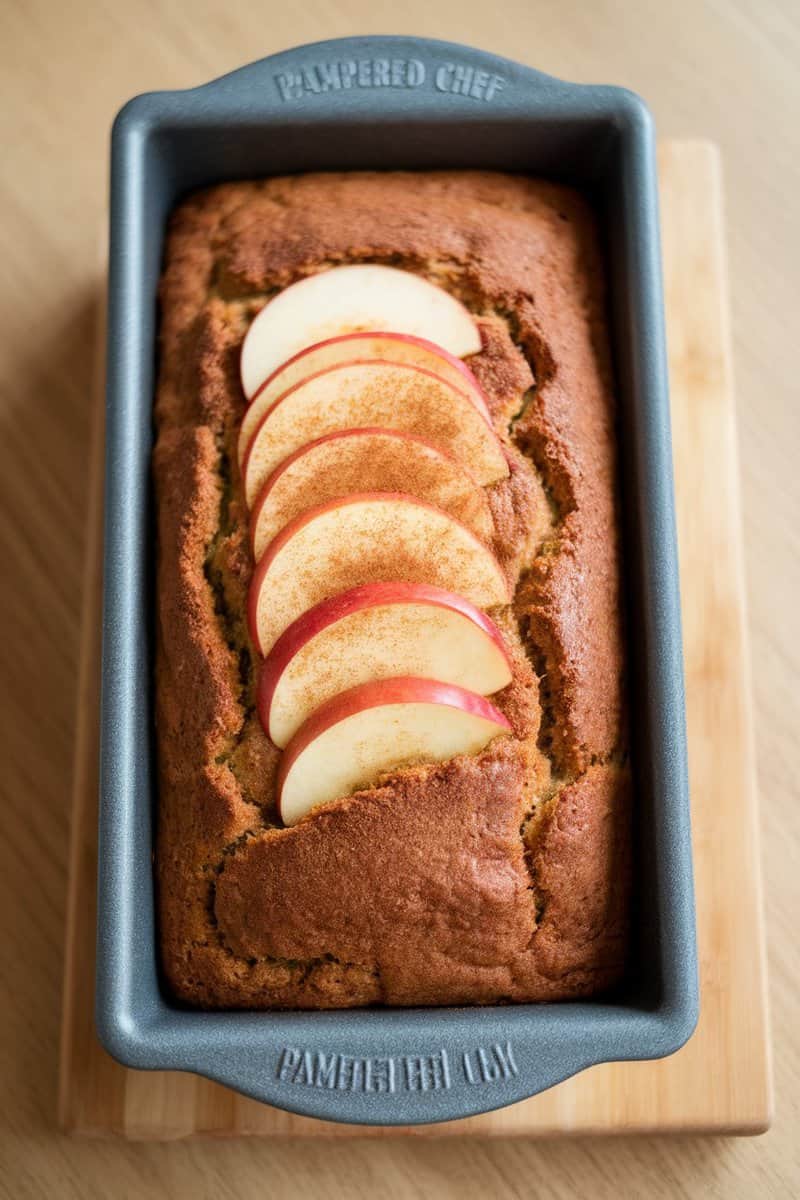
column 386, row 102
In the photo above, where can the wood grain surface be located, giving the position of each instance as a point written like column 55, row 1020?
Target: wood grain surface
column 724, row 69
column 721, row 1080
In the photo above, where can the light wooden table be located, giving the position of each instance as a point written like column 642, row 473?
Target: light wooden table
column 722, row 70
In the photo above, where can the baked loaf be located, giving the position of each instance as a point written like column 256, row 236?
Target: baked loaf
column 501, row 877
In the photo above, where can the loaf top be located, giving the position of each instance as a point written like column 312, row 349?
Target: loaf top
column 499, row 877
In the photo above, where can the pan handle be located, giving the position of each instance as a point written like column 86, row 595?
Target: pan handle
column 353, row 73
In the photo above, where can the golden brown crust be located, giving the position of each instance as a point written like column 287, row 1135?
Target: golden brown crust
column 437, row 862
column 502, row 877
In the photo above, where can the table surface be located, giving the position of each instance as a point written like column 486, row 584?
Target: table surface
column 724, row 70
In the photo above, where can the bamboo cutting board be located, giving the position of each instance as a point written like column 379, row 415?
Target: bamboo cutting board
column 720, row 1081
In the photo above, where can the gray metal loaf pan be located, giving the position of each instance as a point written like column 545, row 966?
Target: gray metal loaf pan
column 391, row 102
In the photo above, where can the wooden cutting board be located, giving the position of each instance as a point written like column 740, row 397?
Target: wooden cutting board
column 719, row 1082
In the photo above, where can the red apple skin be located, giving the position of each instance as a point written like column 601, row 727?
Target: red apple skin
column 289, row 530
column 357, row 344
column 403, row 689
column 263, row 495
column 470, row 379
column 367, row 595
column 356, row 362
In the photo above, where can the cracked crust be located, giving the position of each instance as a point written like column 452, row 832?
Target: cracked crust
column 500, row 877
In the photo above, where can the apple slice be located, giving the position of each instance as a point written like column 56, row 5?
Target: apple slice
column 367, row 460
column 391, row 347
column 375, row 632
column 350, row 299
column 371, row 537
column 375, row 727
column 355, row 395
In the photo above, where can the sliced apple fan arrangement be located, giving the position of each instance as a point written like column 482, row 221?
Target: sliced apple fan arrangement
column 371, row 541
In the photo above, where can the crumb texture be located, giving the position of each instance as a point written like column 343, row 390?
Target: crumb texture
column 503, row 877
